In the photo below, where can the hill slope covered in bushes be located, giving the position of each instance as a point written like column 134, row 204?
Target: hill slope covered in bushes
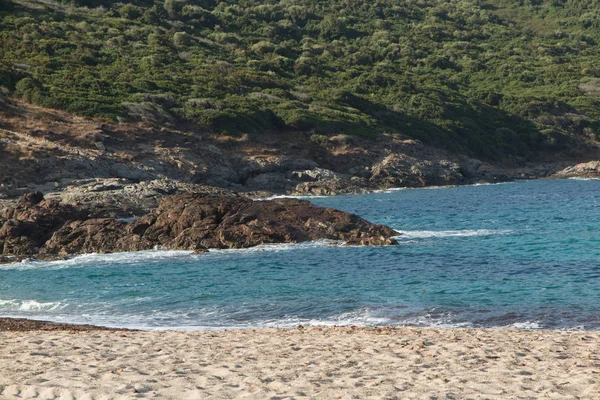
column 487, row 78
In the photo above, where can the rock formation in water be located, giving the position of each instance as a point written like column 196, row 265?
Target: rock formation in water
column 193, row 221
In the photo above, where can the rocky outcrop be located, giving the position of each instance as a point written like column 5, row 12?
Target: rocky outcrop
column 584, row 170
column 130, row 167
column 25, row 227
column 122, row 198
column 403, row 170
column 198, row 221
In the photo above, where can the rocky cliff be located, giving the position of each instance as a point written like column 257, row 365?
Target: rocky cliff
column 53, row 151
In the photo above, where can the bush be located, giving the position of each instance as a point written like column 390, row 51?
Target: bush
column 30, row 90
column 130, row 11
column 181, row 39
column 447, row 73
column 320, row 140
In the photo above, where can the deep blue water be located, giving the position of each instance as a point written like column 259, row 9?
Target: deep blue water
column 523, row 254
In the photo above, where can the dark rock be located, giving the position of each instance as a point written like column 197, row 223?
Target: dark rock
column 96, row 235
column 26, row 226
column 268, row 181
column 32, row 198
column 196, row 222
column 404, row 171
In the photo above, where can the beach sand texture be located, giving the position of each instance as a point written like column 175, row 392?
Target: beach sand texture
column 315, row 362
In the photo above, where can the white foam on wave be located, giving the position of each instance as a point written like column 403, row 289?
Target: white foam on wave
column 290, row 196
column 525, row 325
column 140, row 257
column 276, row 247
column 361, row 317
column 425, row 234
column 490, row 183
column 390, row 190
column 99, row 260
column 583, row 179
column 396, row 189
column 210, row 320
column 127, row 257
column 427, row 320
column 29, row 305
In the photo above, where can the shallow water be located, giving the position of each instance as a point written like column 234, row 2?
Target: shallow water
column 523, row 254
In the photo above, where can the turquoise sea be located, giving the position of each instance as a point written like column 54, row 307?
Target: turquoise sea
column 523, row 254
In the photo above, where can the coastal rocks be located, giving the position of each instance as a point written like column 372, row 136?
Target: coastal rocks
column 96, row 235
column 317, row 174
column 197, row 221
column 333, row 187
column 26, row 226
column 276, row 181
column 324, row 182
column 584, row 170
column 272, row 172
column 123, row 198
column 403, row 170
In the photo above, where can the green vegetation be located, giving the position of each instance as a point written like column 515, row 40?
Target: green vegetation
column 491, row 78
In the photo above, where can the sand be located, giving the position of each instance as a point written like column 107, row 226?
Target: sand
column 307, row 363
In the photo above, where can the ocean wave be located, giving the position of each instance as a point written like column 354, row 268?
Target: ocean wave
column 490, row 183
column 425, row 234
column 140, row 257
column 390, row 190
column 398, row 189
column 276, row 247
column 217, row 320
column 427, row 320
column 575, row 178
column 527, row 325
column 211, row 321
column 290, row 196
column 29, row 305
column 434, row 187
column 95, row 259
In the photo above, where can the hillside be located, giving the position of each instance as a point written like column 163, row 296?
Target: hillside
column 489, row 78
column 293, row 96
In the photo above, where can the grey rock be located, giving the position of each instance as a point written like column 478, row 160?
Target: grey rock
column 406, row 171
column 316, row 174
column 268, row 181
column 584, row 170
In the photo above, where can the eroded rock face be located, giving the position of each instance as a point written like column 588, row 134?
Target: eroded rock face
column 584, row 170
column 197, row 221
column 25, row 227
column 403, row 170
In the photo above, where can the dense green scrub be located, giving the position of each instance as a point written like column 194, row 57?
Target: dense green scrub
column 491, row 78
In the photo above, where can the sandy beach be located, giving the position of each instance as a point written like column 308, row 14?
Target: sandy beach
column 315, row 362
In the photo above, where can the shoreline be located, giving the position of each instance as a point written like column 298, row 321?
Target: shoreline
column 9, row 324
column 27, row 324
column 308, row 362
column 511, row 175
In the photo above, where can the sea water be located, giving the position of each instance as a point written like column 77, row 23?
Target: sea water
column 522, row 255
